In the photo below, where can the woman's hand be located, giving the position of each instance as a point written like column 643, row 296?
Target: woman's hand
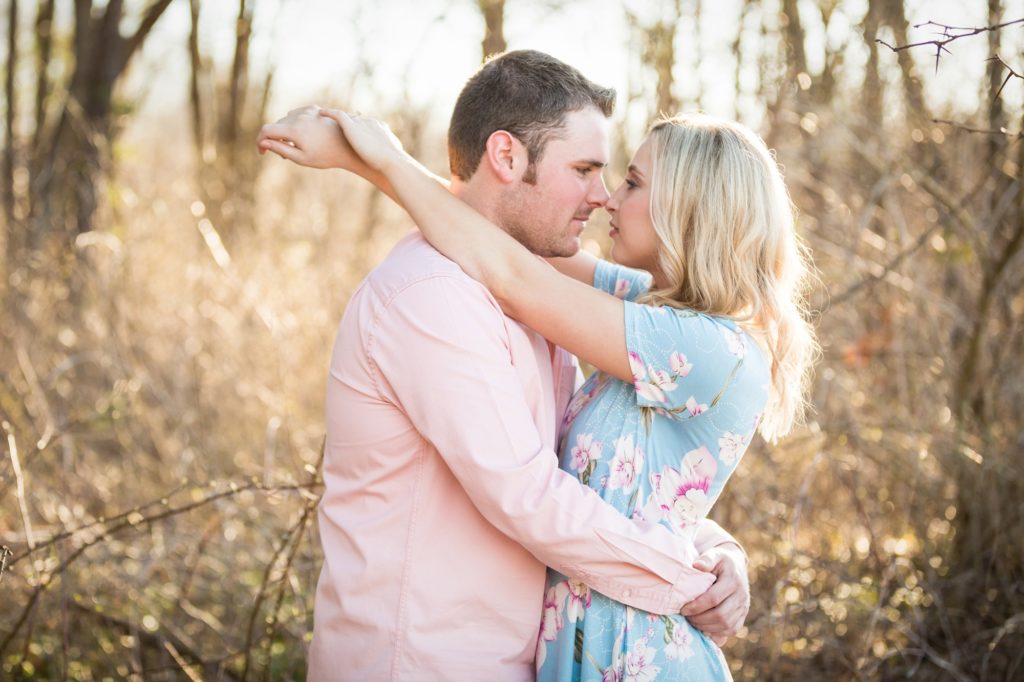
column 371, row 139
column 313, row 137
column 308, row 139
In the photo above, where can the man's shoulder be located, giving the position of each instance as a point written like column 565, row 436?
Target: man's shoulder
column 412, row 261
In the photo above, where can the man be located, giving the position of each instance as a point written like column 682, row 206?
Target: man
column 443, row 499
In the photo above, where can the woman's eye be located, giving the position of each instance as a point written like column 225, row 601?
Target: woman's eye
column 631, row 184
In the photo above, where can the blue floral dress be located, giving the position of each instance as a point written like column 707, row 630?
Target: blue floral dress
column 661, row 448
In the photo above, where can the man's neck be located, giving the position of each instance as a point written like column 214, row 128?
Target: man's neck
column 478, row 196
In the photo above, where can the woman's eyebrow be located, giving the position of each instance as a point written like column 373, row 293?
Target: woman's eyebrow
column 636, row 171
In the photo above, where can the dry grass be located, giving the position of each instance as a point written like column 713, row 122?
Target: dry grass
column 162, row 405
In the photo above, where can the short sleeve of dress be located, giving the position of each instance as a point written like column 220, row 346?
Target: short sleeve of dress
column 620, row 281
column 682, row 361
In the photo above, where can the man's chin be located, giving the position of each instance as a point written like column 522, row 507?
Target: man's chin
column 570, row 248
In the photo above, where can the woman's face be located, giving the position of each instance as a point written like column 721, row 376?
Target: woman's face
column 634, row 241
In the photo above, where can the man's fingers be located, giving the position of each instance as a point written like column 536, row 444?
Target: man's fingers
column 727, row 619
column 711, row 598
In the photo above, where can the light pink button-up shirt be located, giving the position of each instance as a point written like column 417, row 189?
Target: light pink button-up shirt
column 444, row 500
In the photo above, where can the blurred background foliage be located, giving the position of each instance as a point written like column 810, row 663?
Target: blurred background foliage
column 169, row 303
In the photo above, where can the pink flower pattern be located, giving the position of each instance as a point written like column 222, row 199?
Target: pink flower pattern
column 680, row 646
column 730, row 445
column 680, row 496
column 586, row 451
column 626, row 466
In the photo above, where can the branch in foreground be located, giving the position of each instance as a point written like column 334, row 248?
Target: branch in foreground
column 5, row 552
column 984, row 131
column 131, row 520
column 1010, row 73
column 948, row 34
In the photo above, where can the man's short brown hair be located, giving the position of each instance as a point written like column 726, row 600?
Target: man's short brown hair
column 526, row 93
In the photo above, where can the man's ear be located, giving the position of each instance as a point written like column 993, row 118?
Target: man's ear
column 506, row 156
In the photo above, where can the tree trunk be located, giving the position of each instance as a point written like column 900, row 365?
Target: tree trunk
column 913, row 97
column 872, row 81
column 8, row 159
column 796, row 57
column 226, row 171
column 44, row 47
column 737, row 45
column 238, row 81
column 662, row 58
column 493, row 12
column 996, row 119
column 76, row 155
column 195, row 64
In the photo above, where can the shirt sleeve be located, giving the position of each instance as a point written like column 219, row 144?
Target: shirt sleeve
column 710, row 534
column 620, row 281
column 441, row 352
column 682, row 362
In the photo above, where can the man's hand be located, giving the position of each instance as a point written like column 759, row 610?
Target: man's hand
column 309, row 139
column 722, row 609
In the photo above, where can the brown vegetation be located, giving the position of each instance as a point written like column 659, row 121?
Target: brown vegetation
column 166, row 325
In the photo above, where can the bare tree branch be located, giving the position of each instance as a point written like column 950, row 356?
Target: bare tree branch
column 148, row 21
column 1010, row 74
column 949, row 34
column 968, row 129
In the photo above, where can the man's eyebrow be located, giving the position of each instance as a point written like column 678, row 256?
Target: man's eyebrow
column 591, row 163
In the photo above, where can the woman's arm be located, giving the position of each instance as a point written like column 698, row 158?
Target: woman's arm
column 574, row 315
column 580, row 266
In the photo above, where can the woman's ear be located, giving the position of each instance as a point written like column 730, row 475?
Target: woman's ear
column 506, row 156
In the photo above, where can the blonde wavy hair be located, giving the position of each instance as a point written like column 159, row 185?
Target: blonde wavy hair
column 729, row 247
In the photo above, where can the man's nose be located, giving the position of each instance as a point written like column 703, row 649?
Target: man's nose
column 598, row 195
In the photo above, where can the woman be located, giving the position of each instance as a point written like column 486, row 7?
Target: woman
column 692, row 358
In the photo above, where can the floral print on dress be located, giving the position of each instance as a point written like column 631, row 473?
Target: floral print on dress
column 659, row 448
column 730, row 445
column 626, row 466
column 585, row 454
column 680, row 496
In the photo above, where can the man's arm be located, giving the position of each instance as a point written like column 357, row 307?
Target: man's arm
column 441, row 355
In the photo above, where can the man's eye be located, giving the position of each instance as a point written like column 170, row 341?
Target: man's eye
column 584, row 172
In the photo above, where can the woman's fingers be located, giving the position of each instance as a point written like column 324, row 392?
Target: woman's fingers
column 275, row 131
column 282, row 149
column 332, row 114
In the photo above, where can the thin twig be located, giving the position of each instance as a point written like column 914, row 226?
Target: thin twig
column 5, row 552
column 19, row 480
column 888, row 268
column 154, row 640
column 1010, row 73
column 984, row 131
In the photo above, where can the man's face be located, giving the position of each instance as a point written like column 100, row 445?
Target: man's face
column 548, row 216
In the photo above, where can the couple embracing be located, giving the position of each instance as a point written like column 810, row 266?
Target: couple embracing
column 485, row 516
